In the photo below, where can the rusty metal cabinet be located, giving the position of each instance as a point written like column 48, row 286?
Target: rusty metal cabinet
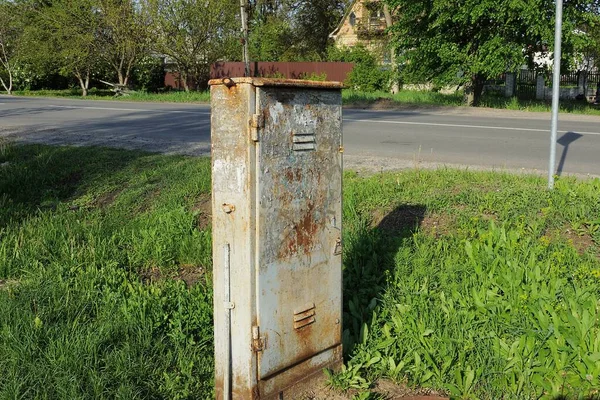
column 277, row 197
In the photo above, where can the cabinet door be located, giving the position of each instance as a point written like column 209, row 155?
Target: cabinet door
column 299, row 212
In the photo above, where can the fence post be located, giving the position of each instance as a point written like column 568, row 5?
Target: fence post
column 509, row 84
column 540, row 87
column 582, row 83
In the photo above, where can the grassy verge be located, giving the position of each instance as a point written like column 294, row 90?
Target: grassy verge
column 484, row 285
column 414, row 98
column 402, row 98
column 104, row 94
column 405, row 98
column 478, row 284
column 102, row 285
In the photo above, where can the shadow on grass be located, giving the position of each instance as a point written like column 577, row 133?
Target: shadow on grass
column 34, row 177
column 368, row 263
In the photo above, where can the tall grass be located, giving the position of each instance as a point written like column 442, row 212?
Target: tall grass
column 478, row 284
column 482, row 285
column 85, row 236
column 404, row 97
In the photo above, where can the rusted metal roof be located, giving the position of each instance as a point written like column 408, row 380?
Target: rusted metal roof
column 299, row 83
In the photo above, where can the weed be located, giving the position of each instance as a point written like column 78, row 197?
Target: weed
column 77, row 319
column 498, row 304
column 493, row 308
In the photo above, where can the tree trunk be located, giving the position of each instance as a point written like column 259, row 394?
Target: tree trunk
column 395, row 84
column 83, row 82
column 184, row 81
column 6, row 63
column 473, row 91
column 7, row 87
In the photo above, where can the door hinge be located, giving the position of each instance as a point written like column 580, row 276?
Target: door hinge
column 258, row 342
column 256, row 122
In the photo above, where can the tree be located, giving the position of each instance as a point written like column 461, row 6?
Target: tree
column 469, row 41
column 124, row 35
column 9, row 42
column 65, row 34
column 313, row 21
column 271, row 39
column 193, row 34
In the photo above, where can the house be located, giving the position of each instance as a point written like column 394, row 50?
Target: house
column 364, row 23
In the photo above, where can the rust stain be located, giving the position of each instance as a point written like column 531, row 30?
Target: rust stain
column 293, row 174
column 299, row 83
column 302, row 236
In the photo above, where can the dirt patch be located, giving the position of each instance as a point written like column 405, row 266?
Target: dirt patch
column 203, row 208
column 390, row 390
column 402, row 217
column 72, row 179
column 437, row 224
column 190, row 274
column 107, row 199
column 146, row 201
column 385, row 389
column 6, row 284
column 581, row 242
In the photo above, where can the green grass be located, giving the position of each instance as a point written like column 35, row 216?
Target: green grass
column 415, row 98
column 478, row 284
column 105, row 94
column 483, row 285
column 566, row 106
column 82, row 231
column 405, row 98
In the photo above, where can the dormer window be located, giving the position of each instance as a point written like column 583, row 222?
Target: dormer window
column 352, row 19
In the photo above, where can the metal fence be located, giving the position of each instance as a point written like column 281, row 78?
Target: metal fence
column 331, row 71
column 569, row 79
column 526, row 84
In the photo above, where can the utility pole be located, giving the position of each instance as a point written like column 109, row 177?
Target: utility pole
column 555, row 92
column 244, row 17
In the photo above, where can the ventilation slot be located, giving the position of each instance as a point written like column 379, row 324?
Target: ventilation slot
column 304, row 141
column 305, row 316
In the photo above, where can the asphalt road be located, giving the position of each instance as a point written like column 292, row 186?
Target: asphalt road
column 373, row 139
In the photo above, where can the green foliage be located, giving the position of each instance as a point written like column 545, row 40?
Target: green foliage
column 292, row 30
column 467, row 42
column 314, row 21
column 494, row 300
column 89, row 249
column 11, row 25
column 149, row 74
column 271, row 40
column 367, row 74
column 193, row 34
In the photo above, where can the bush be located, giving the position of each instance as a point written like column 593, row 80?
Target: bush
column 149, row 74
column 367, row 75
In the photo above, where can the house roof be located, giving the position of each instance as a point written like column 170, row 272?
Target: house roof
column 339, row 26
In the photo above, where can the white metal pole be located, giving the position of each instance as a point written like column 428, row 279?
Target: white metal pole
column 228, row 307
column 555, row 92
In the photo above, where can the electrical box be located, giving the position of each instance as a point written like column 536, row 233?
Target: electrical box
column 277, row 228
